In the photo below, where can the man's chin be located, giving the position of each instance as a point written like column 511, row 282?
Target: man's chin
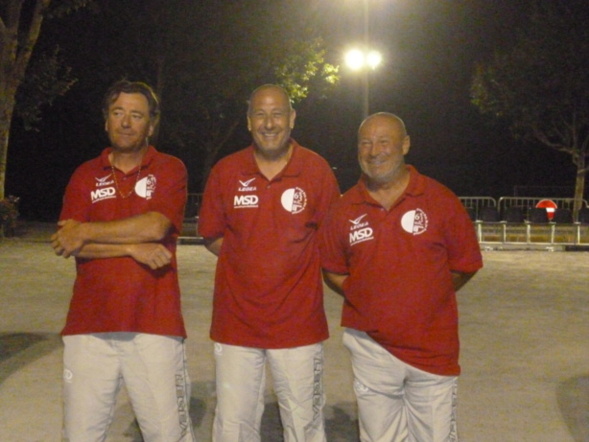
column 378, row 179
column 122, row 147
column 272, row 152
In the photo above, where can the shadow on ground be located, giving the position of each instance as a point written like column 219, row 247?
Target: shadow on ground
column 573, row 401
column 339, row 428
column 20, row 349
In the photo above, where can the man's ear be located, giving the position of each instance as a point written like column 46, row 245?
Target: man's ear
column 406, row 144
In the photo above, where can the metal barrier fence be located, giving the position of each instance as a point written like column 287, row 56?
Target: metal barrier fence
column 192, row 206
column 528, row 203
column 494, row 229
column 495, row 223
column 476, row 204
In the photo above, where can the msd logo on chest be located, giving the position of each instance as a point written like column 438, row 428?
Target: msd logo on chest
column 360, row 230
column 103, row 194
column 245, row 201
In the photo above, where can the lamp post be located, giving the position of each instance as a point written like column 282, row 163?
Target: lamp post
column 364, row 60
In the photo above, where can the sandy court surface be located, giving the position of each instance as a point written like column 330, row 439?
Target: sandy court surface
column 524, row 332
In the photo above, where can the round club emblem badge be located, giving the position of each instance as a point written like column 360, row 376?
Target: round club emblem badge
column 294, row 200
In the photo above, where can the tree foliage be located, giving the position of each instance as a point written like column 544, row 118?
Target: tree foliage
column 232, row 48
column 204, row 58
column 539, row 85
column 20, row 27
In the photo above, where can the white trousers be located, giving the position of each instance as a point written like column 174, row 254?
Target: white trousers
column 298, row 383
column 153, row 369
column 398, row 402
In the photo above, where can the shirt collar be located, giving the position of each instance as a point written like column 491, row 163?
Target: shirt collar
column 145, row 161
column 415, row 188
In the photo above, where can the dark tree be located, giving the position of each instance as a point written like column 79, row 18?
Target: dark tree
column 203, row 58
column 539, row 85
column 20, row 28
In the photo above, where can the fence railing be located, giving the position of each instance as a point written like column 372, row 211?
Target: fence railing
column 530, row 202
column 495, row 221
column 488, row 215
column 192, row 206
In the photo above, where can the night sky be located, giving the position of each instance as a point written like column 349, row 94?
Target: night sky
column 429, row 49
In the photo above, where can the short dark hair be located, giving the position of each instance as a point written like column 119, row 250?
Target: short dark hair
column 132, row 87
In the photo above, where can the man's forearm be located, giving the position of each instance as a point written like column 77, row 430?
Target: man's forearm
column 213, row 245
column 72, row 235
column 154, row 255
column 335, row 281
column 459, row 279
column 96, row 251
column 148, row 227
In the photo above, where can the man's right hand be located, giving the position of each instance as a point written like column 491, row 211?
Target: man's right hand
column 154, row 255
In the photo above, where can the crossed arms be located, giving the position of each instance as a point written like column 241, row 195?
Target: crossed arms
column 138, row 237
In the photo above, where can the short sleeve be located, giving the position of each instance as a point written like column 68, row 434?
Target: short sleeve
column 211, row 216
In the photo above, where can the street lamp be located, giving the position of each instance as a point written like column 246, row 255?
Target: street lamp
column 357, row 59
column 364, row 60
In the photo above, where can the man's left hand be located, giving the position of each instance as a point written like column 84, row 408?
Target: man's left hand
column 69, row 239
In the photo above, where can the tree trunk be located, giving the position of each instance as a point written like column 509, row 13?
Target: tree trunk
column 213, row 149
column 15, row 54
column 581, row 163
column 6, row 111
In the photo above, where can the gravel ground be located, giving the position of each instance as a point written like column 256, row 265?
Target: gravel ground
column 524, row 332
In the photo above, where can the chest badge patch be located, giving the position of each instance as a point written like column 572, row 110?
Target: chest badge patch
column 294, row 200
column 414, row 222
column 145, row 187
column 360, row 230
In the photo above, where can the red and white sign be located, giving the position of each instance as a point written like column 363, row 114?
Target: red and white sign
column 549, row 205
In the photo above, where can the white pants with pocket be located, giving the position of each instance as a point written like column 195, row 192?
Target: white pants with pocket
column 298, row 383
column 398, row 402
column 153, row 369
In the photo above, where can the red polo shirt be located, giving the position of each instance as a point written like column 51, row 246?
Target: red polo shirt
column 268, row 287
column 120, row 294
column 399, row 288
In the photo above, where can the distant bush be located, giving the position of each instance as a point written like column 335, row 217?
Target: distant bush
column 8, row 215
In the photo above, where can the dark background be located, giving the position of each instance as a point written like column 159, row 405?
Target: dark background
column 429, row 48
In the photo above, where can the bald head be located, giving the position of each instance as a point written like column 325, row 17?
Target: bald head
column 385, row 118
column 265, row 88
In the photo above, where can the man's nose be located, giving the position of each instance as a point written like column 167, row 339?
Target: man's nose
column 374, row 149
column 126, row 121
column 269, row 122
